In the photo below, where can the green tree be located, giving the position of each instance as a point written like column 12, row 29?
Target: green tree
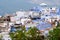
column 58, row 25
column 19, row 34
column 54, row 34
column 1, row 36
column 33, row 34
column 22, row 34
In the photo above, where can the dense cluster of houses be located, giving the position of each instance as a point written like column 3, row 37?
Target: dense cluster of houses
column 26, row 18
column 42, row 18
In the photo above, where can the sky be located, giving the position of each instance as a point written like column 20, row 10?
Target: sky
column 49, row 2
column 11, row 6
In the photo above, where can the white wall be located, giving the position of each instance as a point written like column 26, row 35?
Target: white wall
column 20, row 13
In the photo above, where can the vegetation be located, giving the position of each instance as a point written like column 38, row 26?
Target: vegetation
column 34, row 34
column 1, row 36
column 58, row 25
column 19, row 34
column 55, row 33
column 22, row 34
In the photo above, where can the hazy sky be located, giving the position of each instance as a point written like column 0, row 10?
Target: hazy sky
column 49, row 2
column 9, row 6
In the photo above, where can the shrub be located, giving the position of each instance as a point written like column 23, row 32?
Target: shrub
column 54, row 34
column 22, row 34
column 1, row 36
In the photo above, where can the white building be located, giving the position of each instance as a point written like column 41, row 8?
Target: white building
column 22, row 14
